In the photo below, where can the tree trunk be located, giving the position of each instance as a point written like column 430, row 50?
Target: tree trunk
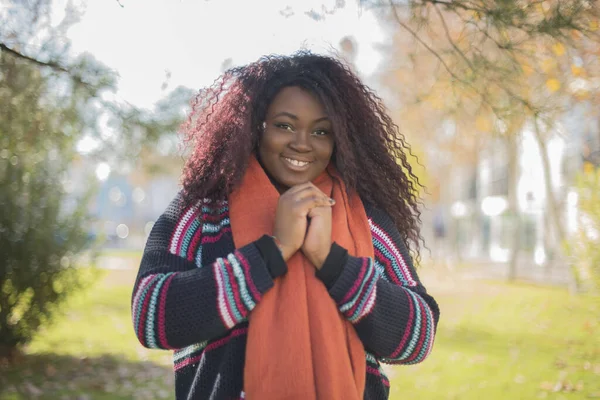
column 553, row 210
column 513, row 203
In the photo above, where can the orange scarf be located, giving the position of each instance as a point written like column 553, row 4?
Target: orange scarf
column 299, row 345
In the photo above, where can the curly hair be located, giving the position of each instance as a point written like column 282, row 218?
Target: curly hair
column 225, row 125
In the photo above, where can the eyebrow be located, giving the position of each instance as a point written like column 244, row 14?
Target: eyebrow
column 295, row 118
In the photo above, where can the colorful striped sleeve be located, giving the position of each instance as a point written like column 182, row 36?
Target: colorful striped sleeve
column 177, row 299
column 383, row 297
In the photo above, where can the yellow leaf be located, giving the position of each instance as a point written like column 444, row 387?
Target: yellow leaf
column 548, row 65
column 545, row 6
column 437, row 102
column 582, row 95
column 553, row 84
column 576, row 70
column 558, row 49
column 475, row 15
column 594, row 25
column 483, row 124
column 588, row 168
column 539, row 8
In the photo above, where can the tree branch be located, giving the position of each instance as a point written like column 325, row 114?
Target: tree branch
column 442, row 62
column 418, row 38
column 449, row 37
column 453, row 5
column 47, row 64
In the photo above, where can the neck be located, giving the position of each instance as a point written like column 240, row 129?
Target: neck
column 278, row 186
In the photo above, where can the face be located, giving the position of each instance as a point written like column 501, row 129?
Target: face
column 297, row 142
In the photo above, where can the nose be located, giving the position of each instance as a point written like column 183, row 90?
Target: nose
column 301, row 142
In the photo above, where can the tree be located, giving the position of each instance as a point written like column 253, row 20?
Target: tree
column 506, row 64
column 584, row 248
column 40, row 236
column 48, row 101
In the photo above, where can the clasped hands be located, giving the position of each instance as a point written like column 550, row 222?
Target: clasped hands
column 303, row 222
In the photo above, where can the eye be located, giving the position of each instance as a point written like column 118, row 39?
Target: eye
column 320, row 132
column 283, row 126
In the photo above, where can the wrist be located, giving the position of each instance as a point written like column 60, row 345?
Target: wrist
column 333, row 265
column 271, row 255
column 277, row 243
column 286, row 252
column 319, row 259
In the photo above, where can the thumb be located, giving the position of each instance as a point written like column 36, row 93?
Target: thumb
column 317, row 211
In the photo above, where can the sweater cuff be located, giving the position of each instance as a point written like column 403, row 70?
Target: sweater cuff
column 272, row 256
column 333, row 265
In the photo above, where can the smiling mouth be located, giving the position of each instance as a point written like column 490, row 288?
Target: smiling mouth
column 296, row 164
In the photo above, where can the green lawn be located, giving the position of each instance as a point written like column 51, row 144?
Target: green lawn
column 92, row 351
column 499, row 341
column 495, row 341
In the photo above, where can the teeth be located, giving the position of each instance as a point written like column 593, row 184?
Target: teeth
column 296, row 162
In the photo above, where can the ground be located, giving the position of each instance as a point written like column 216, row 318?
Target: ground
column 494, row 341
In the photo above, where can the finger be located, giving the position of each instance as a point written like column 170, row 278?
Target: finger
column 319, row 211
column 314, row 199
column 300, row 187
column 308, row 190
column 310, row 202
column 305, row 186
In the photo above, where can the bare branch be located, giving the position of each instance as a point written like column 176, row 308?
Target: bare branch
column 442, row 62
column 453, row 5
column 448, row 36
column 47, row 64
column 418, row 38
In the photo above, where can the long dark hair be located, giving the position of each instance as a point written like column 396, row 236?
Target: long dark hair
column 225, row 125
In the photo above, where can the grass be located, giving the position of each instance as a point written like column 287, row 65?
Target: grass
column 123, row 253
column 495, row 341
column 91, row 351
column 500, row 341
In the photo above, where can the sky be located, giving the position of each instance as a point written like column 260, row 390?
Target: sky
column 191, row 38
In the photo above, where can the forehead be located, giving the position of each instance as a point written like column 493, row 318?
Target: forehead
column 297, row 101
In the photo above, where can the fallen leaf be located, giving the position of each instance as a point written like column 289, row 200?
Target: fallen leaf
column 561, row 364
column 557, row 387
column 32, row 389
column 50, row 370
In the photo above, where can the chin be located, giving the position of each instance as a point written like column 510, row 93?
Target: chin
column 289, row 182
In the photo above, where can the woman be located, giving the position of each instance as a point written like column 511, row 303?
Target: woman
column 282, row 269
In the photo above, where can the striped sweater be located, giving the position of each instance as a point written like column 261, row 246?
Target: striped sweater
column 194, row 291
